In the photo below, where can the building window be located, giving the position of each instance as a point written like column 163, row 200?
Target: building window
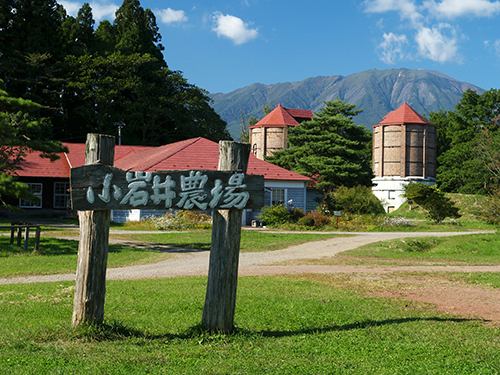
column 61, row 194
column 254, row 148
column 278, row 197
column 392, row 194
column 35, row 189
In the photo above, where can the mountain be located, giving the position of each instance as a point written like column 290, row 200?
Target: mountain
column 377, row 92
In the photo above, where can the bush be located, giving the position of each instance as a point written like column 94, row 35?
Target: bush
column 490, row 212
column 306, row 221
column 320, row 218
column 182, row 220
column 356, row 200
column 437, row 205
column 296, row 214
column 275, row 215
column 279, row 214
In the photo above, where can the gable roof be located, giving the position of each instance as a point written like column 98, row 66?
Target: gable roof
column 281, row 117
column 402, row 116
column 195, row 153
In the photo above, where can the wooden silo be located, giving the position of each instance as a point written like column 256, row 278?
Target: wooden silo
column 404, row 149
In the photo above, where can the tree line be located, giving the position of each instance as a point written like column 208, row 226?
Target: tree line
column 94, row 79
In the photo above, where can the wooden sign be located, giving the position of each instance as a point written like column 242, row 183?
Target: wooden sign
column 103, row 187
column 337, row 213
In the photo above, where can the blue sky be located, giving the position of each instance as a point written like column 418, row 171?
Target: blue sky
column 223, row 45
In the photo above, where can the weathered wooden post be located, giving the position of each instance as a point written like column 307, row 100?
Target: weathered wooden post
column 90, row 287
column 220, row 300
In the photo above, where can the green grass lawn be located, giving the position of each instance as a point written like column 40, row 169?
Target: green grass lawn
column 285, row 326
column 61, row 256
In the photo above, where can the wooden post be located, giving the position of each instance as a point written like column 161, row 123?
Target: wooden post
column 220, row 300
column 90, row 287
column 26, row 237
column 19, row 236
column 37, row 238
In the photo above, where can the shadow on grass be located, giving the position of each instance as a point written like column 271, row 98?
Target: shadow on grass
column 116, row 331
column 362, row 325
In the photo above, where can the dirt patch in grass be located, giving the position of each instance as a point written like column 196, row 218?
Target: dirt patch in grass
column 444, row 293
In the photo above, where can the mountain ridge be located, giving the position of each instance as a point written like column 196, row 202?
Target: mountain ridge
column 377, row 92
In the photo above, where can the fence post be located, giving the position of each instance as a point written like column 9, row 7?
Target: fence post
column 90, row 287
column 37, row 238
column 220, row 300
column 26, row 237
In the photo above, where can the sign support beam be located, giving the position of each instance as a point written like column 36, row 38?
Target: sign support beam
column 90, row 287
column 220, row 300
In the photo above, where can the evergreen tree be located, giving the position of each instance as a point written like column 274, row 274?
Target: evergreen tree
column 125, row 78
column 329, row 148
column 86, row 80
column 20, row 130
column 434, row 201
column 136, row 31
column 78, row 33
column 30, row 37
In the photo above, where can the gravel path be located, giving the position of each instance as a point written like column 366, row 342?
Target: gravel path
column 191, row 262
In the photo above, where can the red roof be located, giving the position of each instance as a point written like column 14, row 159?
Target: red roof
column 35, row 166
column 195, row 153
column 402, row 116
column 281, row 117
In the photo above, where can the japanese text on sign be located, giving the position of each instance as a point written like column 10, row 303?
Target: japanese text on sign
column 143, row 187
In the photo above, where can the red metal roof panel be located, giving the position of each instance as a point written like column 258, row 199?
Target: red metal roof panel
column 403, row 115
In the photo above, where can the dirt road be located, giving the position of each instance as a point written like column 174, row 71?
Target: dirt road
column 189, row 262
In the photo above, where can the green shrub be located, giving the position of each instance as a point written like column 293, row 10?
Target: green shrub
column 437, row 205
column 320, row 218
column 490, row 211
column 296, row 214
column 355, row 200
column 306, row 221
column 279, row 214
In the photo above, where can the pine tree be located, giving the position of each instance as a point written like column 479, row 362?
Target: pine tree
column 20, row 130
column 329, row 148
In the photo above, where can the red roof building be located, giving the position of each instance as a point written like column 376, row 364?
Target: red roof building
column 269, row 134
column 50, row 180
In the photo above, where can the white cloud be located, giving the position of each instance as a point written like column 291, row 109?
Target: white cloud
column 436, row 42
column 406, row 8
column 392, row 47
column 496, row 44
column 457, row 8
column 434, row 45
column 71, row 7
column 233, row 28
column 493, row 46
column 171, row 16
column 102, row 11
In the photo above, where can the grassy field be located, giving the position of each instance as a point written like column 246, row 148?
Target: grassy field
column 302, row 324
column 285, row 326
